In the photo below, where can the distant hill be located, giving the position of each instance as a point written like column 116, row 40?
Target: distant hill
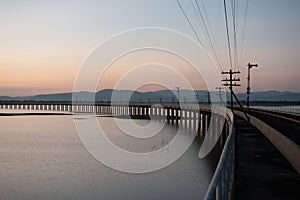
column 156, row 96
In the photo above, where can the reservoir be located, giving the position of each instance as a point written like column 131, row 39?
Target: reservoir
column 42, row 157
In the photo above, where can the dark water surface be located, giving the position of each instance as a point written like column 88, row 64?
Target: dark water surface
column 41, row 157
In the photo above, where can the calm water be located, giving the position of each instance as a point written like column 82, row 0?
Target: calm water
column 290, row 109
column 41, row 157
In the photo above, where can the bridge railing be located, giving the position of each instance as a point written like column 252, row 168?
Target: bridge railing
column 222, row 182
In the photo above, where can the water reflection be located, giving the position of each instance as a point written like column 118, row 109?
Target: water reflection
column 41, row 157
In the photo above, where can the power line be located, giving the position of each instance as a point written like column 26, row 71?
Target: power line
column 202, row 22
column 227, row 31
column 212, row 33
column 236, row 25
column 234, row 22
column 189, row 22
column 244, row 29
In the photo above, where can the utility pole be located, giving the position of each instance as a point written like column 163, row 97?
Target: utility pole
column 198, row 99
column 248, row 86
column 208, row 98
column 178, row 94
column 231, row 82
column 220, row 90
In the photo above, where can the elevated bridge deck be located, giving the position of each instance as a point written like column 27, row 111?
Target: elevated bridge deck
column 261, row 171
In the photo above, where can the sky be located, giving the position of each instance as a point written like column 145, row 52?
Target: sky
column 45, row 43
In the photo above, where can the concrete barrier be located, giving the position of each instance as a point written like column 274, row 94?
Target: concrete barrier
column 287, row 147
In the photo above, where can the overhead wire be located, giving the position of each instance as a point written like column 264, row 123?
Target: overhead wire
column 227, row 32
column 243, row 31
column 212, row 33
column 203, row 23
column 236, row 21
column 234, row 24
column 234, row 54
column 190, row 24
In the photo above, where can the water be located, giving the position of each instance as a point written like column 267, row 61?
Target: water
column 289, row 109
column 41, row 157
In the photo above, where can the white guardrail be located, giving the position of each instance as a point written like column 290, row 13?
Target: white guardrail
column 222, row 182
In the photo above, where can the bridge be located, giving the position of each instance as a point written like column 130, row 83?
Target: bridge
column 260, row 159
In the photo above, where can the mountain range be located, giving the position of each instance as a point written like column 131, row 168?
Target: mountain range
column 164, row 96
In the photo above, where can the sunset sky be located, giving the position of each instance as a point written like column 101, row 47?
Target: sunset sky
column 44, row 43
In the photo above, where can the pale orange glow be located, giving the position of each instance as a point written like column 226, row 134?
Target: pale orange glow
column 124, row 66
column 44, row 44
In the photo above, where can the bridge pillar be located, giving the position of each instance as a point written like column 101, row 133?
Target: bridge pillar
column 177, row 115
column 113, row 111
column 184, row 118
column 190, row 119
column 204, row 117
column 199, row 123
column 168, row 114
column 147, row 110
column 172, row 114
column 195, row 120
column 143, row 111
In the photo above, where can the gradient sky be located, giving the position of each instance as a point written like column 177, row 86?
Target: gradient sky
column 43, row 43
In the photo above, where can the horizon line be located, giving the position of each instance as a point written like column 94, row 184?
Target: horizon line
column 145, row 91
